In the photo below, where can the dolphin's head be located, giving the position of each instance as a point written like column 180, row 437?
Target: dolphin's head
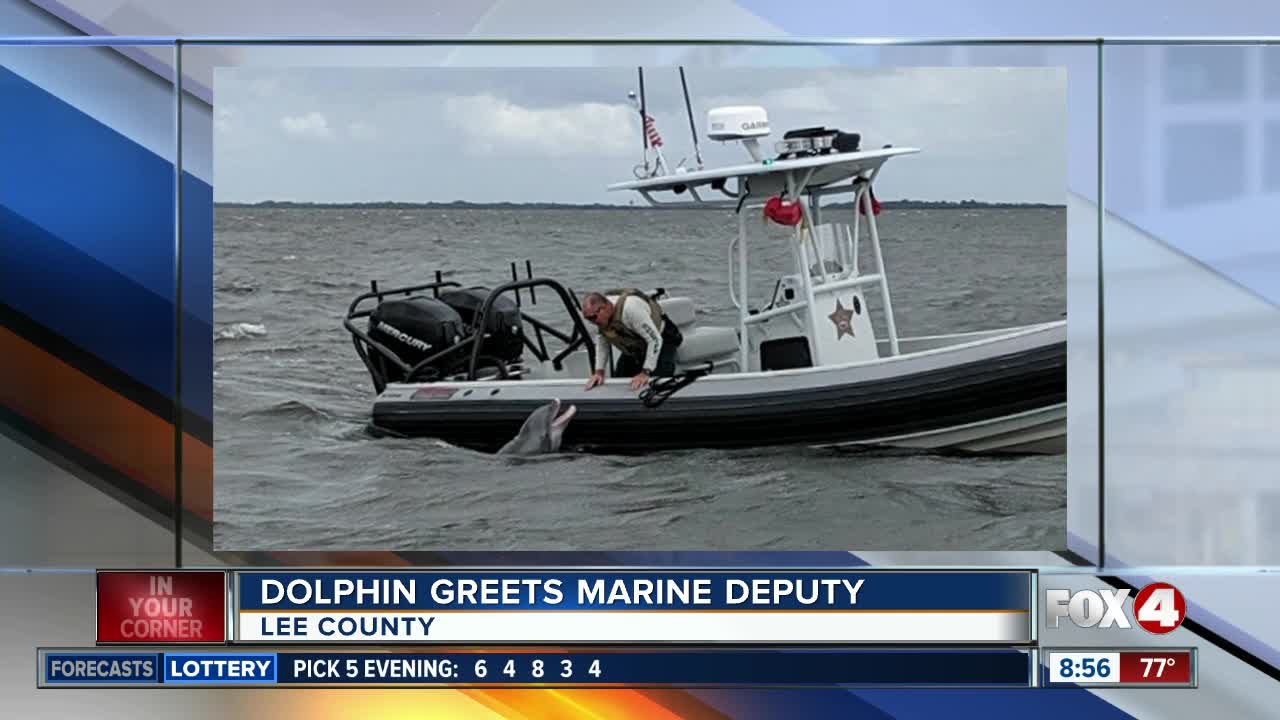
column 558, row 420
column 542, row 431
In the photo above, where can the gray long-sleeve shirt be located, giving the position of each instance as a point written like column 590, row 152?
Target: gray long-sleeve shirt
column 636, row 317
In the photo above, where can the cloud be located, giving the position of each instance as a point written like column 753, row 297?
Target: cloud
column 311, row 125
column 801, row 98
column 991, row 133
column 223, row 118
column 264, row 87
column 363, row 131
column 491, row 123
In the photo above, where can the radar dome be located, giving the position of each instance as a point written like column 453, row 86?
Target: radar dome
column 737, row 122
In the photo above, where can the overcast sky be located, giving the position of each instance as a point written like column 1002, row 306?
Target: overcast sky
column 561, row 135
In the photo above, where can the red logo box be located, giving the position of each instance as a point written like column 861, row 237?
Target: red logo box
column 162, row 607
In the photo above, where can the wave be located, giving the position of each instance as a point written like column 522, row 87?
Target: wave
column 240, row 331
column 291, row 409
column 348, row 284
column 292, row 350
column 236, row 288
column 370, row 498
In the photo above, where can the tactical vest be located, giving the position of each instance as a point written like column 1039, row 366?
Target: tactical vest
column 622, row 337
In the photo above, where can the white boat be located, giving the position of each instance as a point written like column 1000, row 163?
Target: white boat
column 468, row 365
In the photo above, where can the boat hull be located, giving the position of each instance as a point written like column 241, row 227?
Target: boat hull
column 1001, row 394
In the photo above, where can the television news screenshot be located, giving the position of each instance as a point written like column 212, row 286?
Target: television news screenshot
column 711, row 361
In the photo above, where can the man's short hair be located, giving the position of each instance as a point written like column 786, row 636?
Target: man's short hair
column 594, row 298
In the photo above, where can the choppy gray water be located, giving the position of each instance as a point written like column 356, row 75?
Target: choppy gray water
column 294, row 468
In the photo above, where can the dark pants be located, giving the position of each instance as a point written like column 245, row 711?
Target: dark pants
column 629, row 365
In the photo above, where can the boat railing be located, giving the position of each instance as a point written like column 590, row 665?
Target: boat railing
column 788, row 309
column 578, row 337
column 733, row 248
column 833, row 285
column 472, row 343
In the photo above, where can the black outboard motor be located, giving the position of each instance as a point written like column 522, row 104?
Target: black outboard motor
column 503, row 330
column 416, row 328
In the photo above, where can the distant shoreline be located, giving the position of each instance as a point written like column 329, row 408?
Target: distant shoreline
column 462, row 205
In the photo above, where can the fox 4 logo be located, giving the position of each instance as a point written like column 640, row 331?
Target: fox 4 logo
column 1159, row 608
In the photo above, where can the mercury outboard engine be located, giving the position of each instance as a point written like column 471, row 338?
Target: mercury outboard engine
column 503, row 331
column 414, row 329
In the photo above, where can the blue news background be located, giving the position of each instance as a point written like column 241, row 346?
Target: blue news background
column 75, row 234
column 882, row 590
column 864, row 667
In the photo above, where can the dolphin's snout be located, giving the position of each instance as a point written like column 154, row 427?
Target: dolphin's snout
column 541, row 431
column 563, row 418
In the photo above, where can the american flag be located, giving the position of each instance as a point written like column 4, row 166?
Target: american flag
column 651, row 130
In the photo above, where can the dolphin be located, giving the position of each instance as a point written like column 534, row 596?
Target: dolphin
column 542, row 431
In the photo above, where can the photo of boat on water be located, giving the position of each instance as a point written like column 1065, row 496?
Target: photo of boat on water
column 860, row 274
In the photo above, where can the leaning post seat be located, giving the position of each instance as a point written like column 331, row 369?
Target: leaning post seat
column 680, row 310
column 701, row 343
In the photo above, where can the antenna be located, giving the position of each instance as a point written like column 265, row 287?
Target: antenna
column 643, row 117
column 688, row 106
column 641, row 171
column 649, row 129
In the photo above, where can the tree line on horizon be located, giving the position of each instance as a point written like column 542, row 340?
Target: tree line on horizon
column 467, row 205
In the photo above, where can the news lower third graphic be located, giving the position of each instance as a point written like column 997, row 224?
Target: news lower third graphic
column 664, row 627
column 599, row 667
column 626, row 606
column 567, row 606
column 1077, row 667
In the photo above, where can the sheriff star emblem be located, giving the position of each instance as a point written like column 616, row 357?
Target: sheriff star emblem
column 842, row 318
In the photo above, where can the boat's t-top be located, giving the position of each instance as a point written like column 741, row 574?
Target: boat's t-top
column 817, row 314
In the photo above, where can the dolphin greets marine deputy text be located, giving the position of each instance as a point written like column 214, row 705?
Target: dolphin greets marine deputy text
column 542, row 431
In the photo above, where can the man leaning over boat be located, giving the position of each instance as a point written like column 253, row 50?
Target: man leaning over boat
column 636, row 327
